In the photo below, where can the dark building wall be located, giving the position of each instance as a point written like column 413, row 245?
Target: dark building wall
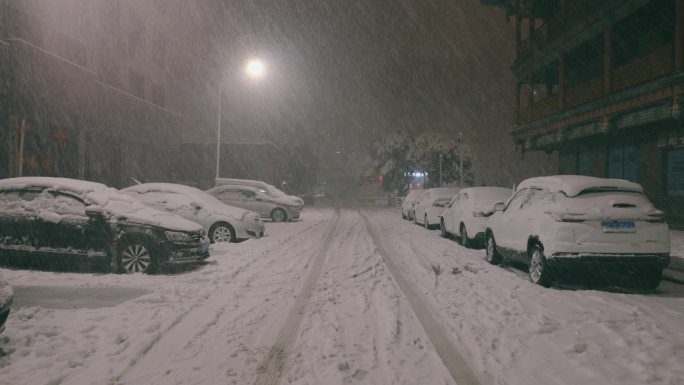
column 103, row 88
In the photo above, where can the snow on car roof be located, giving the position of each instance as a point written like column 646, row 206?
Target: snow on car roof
column 79, row 187
column 444, row 191
column 488, row 193
column 573, row 185
column 99, row 197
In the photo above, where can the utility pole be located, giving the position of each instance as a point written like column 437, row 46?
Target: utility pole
column 440, row 168
column 460, row 157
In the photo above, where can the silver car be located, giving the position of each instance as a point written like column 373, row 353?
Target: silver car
column 222, row 222
column 257, row 200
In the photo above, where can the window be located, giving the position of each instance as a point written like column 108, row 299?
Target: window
column 622, row 163
column 517, row 200
column 246, row 194
column 675, row 172
column 583, row 160
column 68, row 205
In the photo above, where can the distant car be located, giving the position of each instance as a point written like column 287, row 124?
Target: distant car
column 270, row 190
column 222, row 222
column 408, row 203
column 466, row 215
column 561, row 226
column 431, row 204
column 67, row 224
column 6, row 297
column 258, row 200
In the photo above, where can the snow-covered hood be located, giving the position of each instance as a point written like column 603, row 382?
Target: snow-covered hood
column 289, row 201
column 139, row 213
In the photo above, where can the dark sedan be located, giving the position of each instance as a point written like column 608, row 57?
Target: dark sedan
column 72, row 225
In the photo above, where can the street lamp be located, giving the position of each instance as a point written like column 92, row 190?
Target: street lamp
column 255, row 69
column 460, row 157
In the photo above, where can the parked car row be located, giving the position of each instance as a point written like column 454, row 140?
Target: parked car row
column 75, row 225
column 561, row 227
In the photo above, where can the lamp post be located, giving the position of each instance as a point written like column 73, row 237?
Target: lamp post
column 255, row 70
column 460, row 157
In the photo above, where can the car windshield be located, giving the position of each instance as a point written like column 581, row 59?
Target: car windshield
column 274, row 192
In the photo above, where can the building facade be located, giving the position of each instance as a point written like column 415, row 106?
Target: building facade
column 602, row 84
column 104, row 90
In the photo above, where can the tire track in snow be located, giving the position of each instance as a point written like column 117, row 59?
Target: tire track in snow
column 184, row 329
column 453, row 360
column 273, row 366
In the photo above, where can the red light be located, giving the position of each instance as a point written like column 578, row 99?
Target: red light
column 417, row 185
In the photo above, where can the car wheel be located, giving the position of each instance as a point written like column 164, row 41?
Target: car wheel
column 491, row 254
column 464, row 236
column 221, row 232
column 278, row 215
column 137, row 257
column 425, row 222
column 539, row 274
column 442, row 228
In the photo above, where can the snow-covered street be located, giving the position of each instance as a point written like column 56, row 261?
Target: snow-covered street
column 340, row 297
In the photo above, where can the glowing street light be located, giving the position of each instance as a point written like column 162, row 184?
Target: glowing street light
column 255, row 69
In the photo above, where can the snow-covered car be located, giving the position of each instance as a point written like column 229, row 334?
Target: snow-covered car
column 67, row 224
column 258, row 200
column 222, row 222
column 408, row 203
column 6, row 297
column 270, row 190
column 586, row 226
column 466, row 214
column 431, row 204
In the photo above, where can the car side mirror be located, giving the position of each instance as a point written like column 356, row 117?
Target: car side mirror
column 500, row 206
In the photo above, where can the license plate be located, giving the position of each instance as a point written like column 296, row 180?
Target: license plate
column 618, row 227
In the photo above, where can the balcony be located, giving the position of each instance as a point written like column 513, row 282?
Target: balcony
column 584, row 93
column 655, row 64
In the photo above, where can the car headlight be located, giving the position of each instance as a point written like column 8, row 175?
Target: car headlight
column 177, row 236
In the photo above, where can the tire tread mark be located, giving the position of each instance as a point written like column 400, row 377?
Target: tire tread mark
column 457, row 366
column 273, row 367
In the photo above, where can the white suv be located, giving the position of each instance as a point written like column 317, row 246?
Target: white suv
column 580, row 227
